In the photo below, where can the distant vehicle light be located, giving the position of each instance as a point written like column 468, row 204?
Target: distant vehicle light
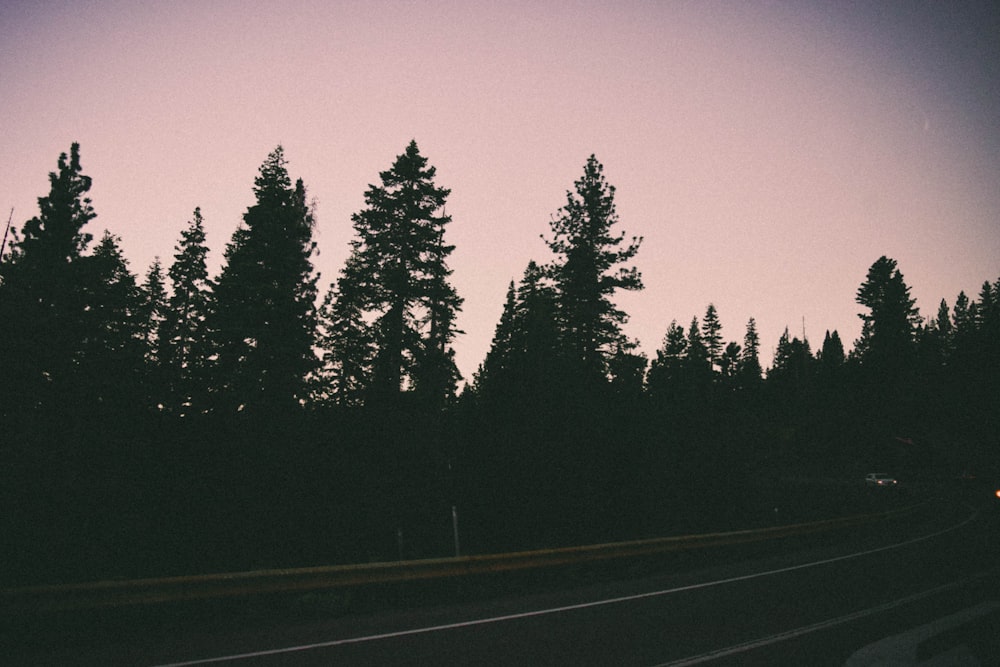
column 997, row 494
column 879, row 479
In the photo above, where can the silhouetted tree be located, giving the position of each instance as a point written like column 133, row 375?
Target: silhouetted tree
column 153, row 308
column 792, row 361
column 889, row 327
column 665, row 378
column 944, row 330
column 729, row 362
column 185, row 342
column 43, row 303
column 832, row 352
column 495, row 371
column 113, row 349
column 988, row 327
column 399, row 265
column 587, row 252
column 525, row 359
column 264, row 300
column 711, row 336
column 750, row 369
column 697, row 363
column 346, row 340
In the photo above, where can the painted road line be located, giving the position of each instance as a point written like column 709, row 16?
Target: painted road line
column 557, row 610
column 736, row 649
column 905, row 648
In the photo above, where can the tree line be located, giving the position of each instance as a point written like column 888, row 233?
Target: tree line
column 182, row 422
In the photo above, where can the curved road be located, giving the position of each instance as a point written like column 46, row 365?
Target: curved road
column 906, row 592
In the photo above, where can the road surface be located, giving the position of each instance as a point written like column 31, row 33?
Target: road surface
column 907, row 592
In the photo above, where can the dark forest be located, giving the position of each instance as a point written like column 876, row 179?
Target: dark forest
column 181, row 423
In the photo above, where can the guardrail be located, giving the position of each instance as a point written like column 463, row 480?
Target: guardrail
column 100, row 594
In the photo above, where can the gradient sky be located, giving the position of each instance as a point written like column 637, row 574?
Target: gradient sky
column 768, row 152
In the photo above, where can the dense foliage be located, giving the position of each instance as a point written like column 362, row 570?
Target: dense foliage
column 191, row 424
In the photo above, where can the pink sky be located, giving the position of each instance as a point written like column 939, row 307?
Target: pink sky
column 768, row 152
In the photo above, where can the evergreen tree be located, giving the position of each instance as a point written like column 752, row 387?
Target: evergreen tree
column 400, row 260
column 729, row 362
column 750, row 368
column 666, row 372
column 185, row 344
column 346, row 341
column 711, row 335
column 961, row 318
column 940, row 335
column 832, row 352
column 889, row 327
column 43, row 303
column 697, row 361
column 495, row 369
column 153, row 308
column 152, row 312
column 264, row 300
column 112, row 352
column 792, row 361
column 525, row 358
column 988, row 326
column 585, row 273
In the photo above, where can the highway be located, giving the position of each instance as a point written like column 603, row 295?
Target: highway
column 907, row 591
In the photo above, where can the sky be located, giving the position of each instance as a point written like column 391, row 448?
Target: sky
column 767, row 152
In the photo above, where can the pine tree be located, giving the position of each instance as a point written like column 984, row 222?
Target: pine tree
column 43, row 303
column 666, row 372
column 938, row 340
column 184, row 340
column 832, row 352
column 495, row 369
column 889, row 327
column 988, row 327
column 153, row 310
column 711, row 335
column 729, row 362
column 400, row 259
column 264, row 300
column 346, row 341
column 697, row 359
column 750, row 368
column 112, row 358
column 792, row 361
column 524, row 360
column 585, row 273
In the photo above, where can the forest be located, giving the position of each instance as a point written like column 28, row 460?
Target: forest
column 180, row 423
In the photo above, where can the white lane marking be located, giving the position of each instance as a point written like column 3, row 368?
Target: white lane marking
column 822, row 625
column 558, row 610
column 904, row 648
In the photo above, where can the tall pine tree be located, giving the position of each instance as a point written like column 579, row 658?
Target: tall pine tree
column 587, row 271
column 750, row 368
column 43, row 304
column 112, row 358
column 711, row 335
column 264, row 300
column 890, row 326
column 399, row 266
column 184, row 340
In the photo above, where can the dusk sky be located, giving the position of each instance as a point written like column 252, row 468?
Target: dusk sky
column 768, row 152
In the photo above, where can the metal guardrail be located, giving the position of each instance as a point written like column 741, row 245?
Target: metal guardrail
column 104, row 594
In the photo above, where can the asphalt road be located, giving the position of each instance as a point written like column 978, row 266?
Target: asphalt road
column 906, row 592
